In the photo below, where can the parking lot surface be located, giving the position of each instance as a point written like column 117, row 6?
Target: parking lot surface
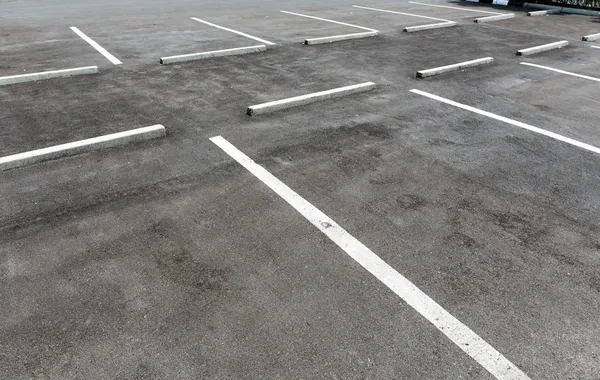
column 169, row 259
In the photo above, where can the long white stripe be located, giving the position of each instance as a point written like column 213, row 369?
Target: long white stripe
column 519, row 124
column 461, row 335
column 234, row 31
column 401, row 13
column 595, row 47
column 561, row 71
column 460, row 9
column 95, row 45
column 332, row 21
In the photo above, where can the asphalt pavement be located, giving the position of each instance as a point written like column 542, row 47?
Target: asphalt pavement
column 167, row 259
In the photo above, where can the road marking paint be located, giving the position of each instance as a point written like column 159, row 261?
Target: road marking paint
column 81, row 146
column 234, row 31
column 328, row 20
column 465, row 338
column 309, row 98
column 595, row 47
column 212, row 54
column 95, row 45
column 561, row 71
column 460, row 9
column 401, row 13
column 519, row 124
column 32, row 77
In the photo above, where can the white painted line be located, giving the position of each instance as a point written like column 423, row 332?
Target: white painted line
column 504, row 16
column 234, row 31
column 457, row 8
column 401, row 13
column 419, row 28
column 309, row 98
column 543, row 48
column 561, row 71
column 411, row 29
column 453, row 67
column 591, row 37
column 328, row 20
column 595, row 47
column 82, row 146
column 465, row 338
column 47, row 75
column 342, row 37
column 519, row 124
column 212, row 54
column 95, row 45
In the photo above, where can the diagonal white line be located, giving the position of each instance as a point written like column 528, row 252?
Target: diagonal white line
column 457, row 8
column 234, row 31
column 401, row 13
column 328, row 20
column 95, row 45
column 561, row 71
column 465, row 338
column 519, row 124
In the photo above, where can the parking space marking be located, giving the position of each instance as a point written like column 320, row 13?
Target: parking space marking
column 95, row 45
column 401, row 13
column 328, row 20
column 457, row 8
column 465, row 338
column 22, row 78
column 234, row 31
column 81, row 146
column 519, row 124
column 496, row 15
column 561, row 71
